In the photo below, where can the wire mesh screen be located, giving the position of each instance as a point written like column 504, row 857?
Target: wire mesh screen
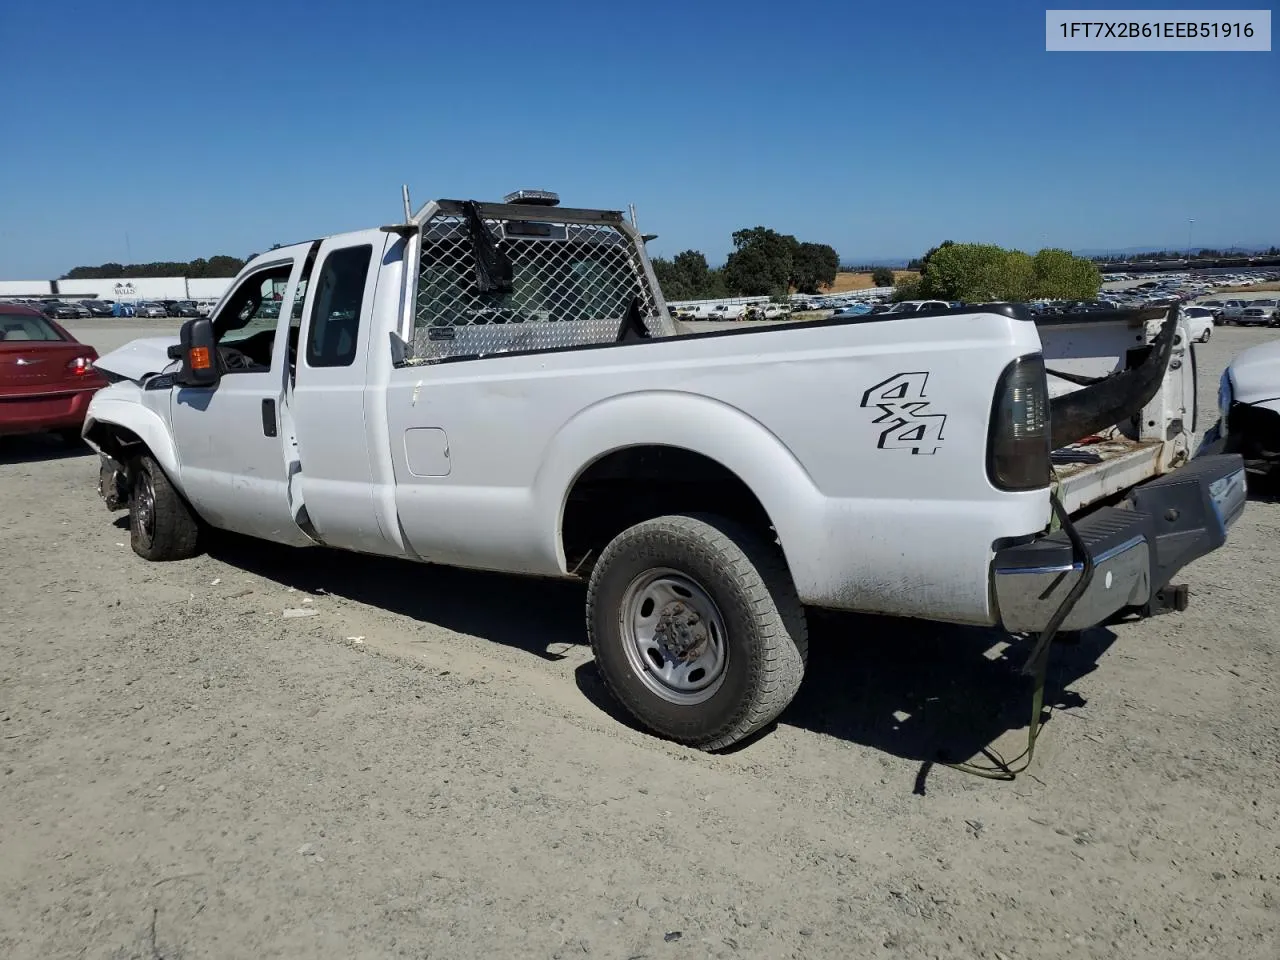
column 572, row 284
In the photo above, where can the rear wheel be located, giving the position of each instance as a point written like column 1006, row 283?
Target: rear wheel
column 1207, row 332
column 161, row 525
column 696, row 628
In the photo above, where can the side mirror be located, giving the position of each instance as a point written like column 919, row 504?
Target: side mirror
column 199, row 354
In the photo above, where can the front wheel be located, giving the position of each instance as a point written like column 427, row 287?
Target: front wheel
column 161, row 525
column 696, row 628
column 1207, row 332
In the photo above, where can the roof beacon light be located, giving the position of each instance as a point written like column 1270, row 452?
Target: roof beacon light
column 533, row 198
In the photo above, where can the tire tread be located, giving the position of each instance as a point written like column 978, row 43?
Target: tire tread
column 759, row 571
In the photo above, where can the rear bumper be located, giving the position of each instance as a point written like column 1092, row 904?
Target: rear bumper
column 32, row 413
column 1136, row 547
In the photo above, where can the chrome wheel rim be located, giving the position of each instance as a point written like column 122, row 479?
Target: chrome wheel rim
column 144, row 505
column 674, row 637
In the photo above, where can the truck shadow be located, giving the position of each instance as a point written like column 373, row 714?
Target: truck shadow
column 921, row 691
column 520, row 612
column 38, row 448
column 917, row 690
column 930, row 692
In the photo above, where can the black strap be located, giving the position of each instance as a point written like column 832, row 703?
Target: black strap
column 493, row 267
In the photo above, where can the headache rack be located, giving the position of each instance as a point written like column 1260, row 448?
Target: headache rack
column 505, row 278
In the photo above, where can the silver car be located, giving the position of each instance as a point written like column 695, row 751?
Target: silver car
column 149, row 309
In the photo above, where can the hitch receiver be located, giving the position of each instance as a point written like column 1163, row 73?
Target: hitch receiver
column 1172, row 598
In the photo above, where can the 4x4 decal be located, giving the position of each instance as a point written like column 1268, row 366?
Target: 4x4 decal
column 906, row 424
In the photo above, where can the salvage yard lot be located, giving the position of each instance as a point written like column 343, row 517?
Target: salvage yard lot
column 425, row 765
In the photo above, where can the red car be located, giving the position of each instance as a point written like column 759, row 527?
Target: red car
column 47, row 376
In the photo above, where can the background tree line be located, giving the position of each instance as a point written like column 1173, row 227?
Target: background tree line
column 219, row 266
column 1205, row 254
column 984, row 272
column 763, row 263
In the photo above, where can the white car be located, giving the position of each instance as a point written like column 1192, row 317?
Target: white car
column 705, row 489
column 1200, row 321
column 1249, row 406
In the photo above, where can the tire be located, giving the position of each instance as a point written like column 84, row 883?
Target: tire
column 1207, row 332
column 161, row 525
column 744, row 615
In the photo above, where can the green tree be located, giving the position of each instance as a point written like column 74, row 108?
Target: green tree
column 1061, row 276
column 978, row 272
column 687, row 277
column 970, row 272
column 761, row 262
column 668, row 281
column 882, row 277
column 219, row 266
column 813, row 265
column 907, row 287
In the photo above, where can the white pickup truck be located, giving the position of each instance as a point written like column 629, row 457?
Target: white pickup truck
column 501, row 387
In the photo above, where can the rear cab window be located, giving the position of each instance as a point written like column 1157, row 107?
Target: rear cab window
column 335, row 313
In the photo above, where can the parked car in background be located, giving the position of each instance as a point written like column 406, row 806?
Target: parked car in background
column 1258, row 313
column 918, row 306
column 150, row 309
column 1249, row 405
column 63, row 310
column 1232, row 310
column 1200, row 320
column 47, row 377
column 98, row 308
column 185, row 308
column 1215, row 306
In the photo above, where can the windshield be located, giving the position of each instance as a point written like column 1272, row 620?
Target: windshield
column 23, row 326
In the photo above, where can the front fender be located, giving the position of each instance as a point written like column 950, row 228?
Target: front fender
column 696, row 423
column 119, row 405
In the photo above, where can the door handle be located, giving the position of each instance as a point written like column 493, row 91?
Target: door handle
column 268, row 418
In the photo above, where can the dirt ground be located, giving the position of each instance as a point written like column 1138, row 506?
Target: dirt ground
column 860, row 281
column 425, row 765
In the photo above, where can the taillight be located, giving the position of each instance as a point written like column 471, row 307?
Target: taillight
column 80, row 366
column 1018, row 446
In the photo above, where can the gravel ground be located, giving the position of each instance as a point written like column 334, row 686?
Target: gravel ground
column 426, row 766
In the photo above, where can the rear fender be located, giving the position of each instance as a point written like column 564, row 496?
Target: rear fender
column 698, row 424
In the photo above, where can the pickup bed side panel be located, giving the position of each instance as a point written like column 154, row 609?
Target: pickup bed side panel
column 865, row 443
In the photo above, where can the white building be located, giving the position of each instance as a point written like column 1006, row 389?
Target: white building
column 124, row 289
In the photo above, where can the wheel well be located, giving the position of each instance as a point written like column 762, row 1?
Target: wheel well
column 635, row 484
column 119, row 443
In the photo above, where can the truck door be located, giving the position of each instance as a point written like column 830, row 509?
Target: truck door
column 328, row 397
column 228, row 437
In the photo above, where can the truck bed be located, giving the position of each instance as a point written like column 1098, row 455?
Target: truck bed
column 1092, row 471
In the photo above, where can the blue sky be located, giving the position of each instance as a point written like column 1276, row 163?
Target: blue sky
column 153, row 131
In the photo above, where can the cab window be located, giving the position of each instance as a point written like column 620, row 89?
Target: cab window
column 246, row 324
column 336, row 305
